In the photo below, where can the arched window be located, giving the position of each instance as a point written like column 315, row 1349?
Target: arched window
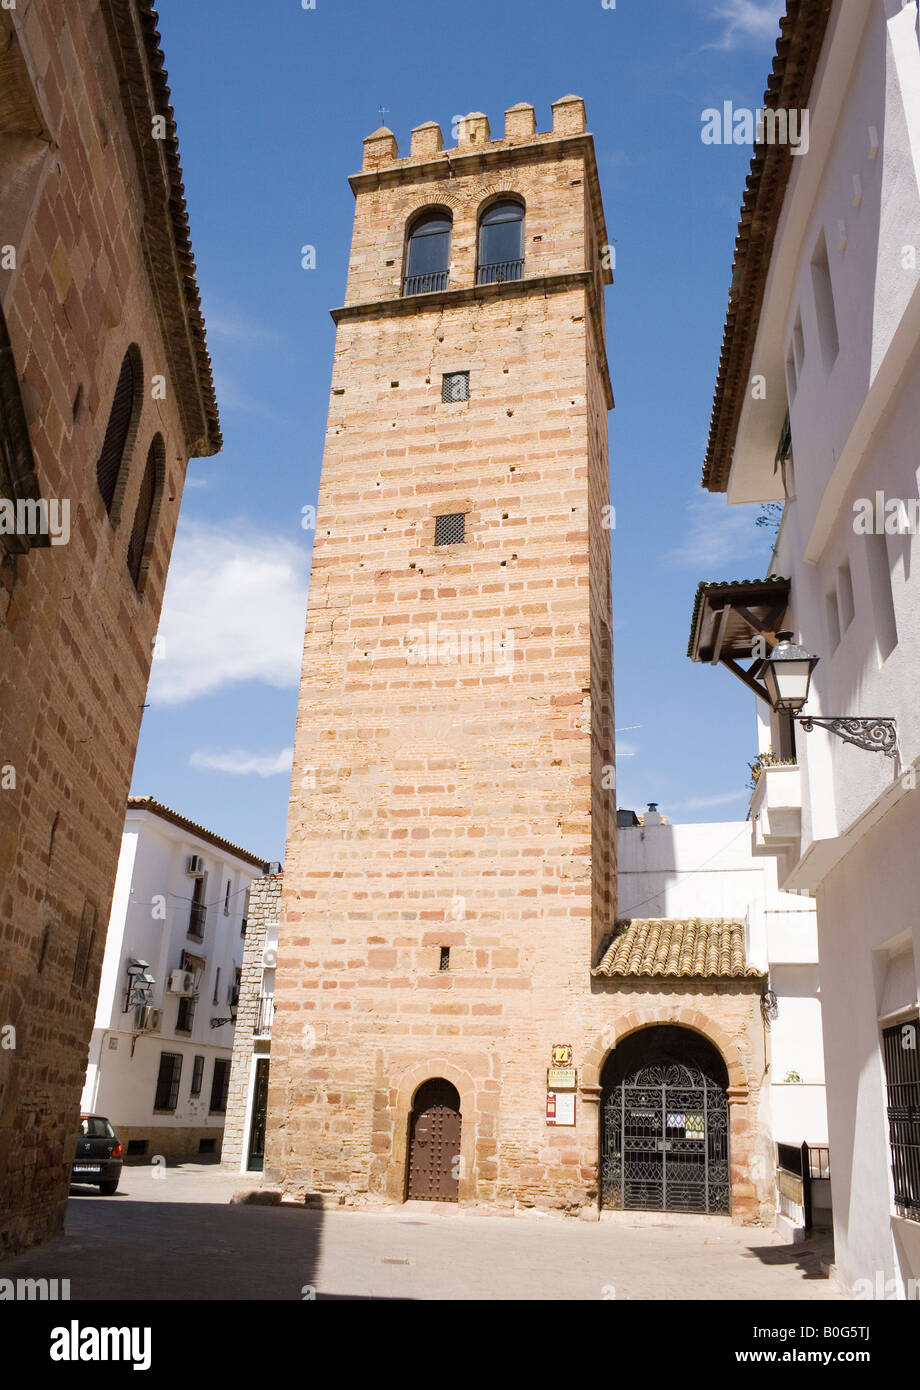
column 122, row 424
column 428, row 253
column 501, row 243
column 145, row 515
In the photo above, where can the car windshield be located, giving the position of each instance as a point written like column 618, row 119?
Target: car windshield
column 95, row 1127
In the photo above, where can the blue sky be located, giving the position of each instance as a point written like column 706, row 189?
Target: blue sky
column 272, row 103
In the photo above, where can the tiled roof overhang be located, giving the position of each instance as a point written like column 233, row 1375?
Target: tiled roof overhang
column 677, row 948
column 802, row 31
column 727, row 614
column 149, row 803
column 135, row 44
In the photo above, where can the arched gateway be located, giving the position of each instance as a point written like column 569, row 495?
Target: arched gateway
column 434, row 1143
column 664, row 1124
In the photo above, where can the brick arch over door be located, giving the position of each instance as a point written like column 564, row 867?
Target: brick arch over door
column 406, row 1087
column 750, row 1195
column 693, row 1018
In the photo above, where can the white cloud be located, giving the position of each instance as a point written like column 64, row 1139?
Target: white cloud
column 236, row 330
column 718, row 535
column 747, row 21
column 234, row 611
column 626, row 749
column 242, row 763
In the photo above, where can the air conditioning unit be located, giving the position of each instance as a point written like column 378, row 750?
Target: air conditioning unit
column 182, row 982
column 269, row 958
column 147, row 1019
column 195, row 866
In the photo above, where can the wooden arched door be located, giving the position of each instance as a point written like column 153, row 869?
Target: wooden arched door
column 434, row 1143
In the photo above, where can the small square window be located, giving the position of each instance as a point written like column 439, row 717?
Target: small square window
column 455, row 386
column 450, row 530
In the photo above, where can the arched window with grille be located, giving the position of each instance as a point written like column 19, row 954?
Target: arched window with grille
column 501, row 242
column 148, row 504
column 428, row 253
column 120, row 431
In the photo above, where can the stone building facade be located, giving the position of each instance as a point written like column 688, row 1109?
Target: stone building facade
column 450, row 878
column 244, row 1126
column 106, row 393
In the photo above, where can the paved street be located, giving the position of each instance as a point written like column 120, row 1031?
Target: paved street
column 180, row 1237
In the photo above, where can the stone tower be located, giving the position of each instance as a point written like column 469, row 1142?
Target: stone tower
column 450, row 870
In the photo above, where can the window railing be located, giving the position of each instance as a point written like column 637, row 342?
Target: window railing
column 499, row 271
column 428, row 283
column 263, row 1028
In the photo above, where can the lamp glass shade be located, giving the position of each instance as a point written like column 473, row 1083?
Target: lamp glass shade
column 787, row 674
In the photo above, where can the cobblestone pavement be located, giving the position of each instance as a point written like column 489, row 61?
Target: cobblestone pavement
column 180, row 1237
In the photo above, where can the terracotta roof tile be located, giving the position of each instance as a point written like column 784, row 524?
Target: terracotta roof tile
column 149, row 803
column 679, row 948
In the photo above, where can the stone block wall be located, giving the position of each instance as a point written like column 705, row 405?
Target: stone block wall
column 454, row 698
column 264, row 911
column 93, row 262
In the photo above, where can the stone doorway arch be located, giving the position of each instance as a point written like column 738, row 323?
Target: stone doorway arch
column 433, row 1164
column 665, row 1124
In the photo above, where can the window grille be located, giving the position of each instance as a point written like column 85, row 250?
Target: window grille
column 455, row 386
column 197, row 1076
column 220, row 1084
column 167, row 1092
column 146, row 503
column 450, row 529
column 185, row 1016
column 109, row 463
column 901, row 1047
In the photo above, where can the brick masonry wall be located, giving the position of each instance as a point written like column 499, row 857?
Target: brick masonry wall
column 460, row 803
column 264, row 911
column 75, row 637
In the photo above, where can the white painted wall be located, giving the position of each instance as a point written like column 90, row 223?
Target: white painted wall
column 709, row 870
column 149, row 921
column 855, row 427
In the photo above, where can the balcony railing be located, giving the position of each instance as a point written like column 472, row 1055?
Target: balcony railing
column 425, row 284
column 263, row 1028
column 499, row 271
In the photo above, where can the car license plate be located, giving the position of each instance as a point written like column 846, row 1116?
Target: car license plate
column 86, row 1167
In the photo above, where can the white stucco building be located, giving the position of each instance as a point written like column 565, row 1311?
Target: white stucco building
column 159, row 1062
column 824, row 324
column 710, row 871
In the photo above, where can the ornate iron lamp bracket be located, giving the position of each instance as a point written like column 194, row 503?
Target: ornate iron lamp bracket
column 875, row 735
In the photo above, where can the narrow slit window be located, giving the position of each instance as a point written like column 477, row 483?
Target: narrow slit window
column 450, row 529
column 824, row 304
column 455, row 386
column 886, row 626
column 833, row 620
column 845, row 603
column 445, row 958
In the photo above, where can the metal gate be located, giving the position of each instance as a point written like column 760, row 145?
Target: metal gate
column 434, row 1144
column 256, row 1156
column 665, row 1141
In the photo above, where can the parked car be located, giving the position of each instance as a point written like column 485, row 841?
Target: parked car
column 98, row 1155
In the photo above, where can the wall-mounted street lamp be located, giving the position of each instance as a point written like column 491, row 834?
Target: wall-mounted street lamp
column 786, row 675
column 140, row 982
